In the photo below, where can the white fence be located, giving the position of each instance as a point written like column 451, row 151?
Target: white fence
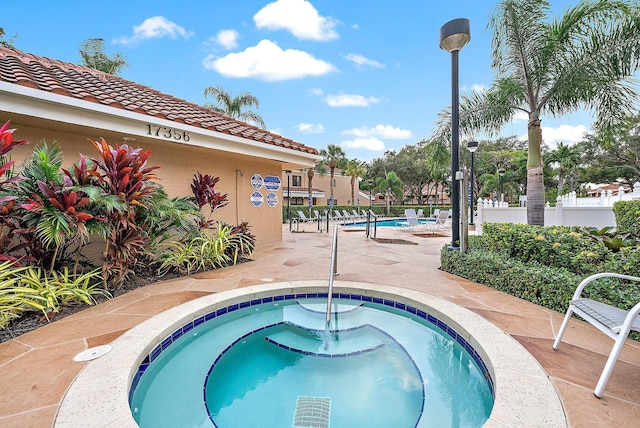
column 569, row 211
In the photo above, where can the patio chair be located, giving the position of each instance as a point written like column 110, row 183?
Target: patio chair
column 337, row 216
column 441, row 220
column 436, row 212
column 420, row 213
column 614, row 322
column 347, row 216
column 412, row 220
column 356, row 214
column 302, row 217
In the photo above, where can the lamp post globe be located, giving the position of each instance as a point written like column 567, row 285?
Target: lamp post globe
column 453, row 36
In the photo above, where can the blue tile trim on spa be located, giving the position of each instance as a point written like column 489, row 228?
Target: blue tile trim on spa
column 166, row 342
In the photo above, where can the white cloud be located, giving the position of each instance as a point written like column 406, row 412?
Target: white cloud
column 227, row 39
column 267, row 61
column 478, row 87
column 316, row 92
column 297, row 16
column 155, row 27
column 362, row 60
column 349, row 100
column 310, row 128
column 382, row 131
column 364, row 143
column 565, row 133
column 521, row 116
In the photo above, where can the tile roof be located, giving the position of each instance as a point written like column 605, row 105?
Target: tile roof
column 101, row 88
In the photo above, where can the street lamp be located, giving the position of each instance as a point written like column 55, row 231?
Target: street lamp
column 288, row 172
column 453, row 36
column 472, row 146
column 501, row 173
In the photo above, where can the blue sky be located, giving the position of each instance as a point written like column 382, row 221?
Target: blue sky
column 367, row 75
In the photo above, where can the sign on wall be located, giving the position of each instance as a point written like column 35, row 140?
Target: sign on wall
column 272, row 182
column 256, row 199
column 272, row 199
column 257, row 181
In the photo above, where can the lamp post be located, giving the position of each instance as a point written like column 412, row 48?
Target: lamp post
column 472, row 146
column 453, row 36
column 288, row 172
column 501, row 173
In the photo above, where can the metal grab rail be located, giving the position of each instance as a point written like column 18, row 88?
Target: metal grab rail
column 332, row 273
column 375, row 224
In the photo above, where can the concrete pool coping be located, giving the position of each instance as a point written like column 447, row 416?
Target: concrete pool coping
column 524, row 394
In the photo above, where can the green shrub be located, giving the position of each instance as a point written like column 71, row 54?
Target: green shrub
column 541, row 283
column 555, row 246
column 628, row 217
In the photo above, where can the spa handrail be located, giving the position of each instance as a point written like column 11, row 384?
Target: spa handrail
column 334, row 256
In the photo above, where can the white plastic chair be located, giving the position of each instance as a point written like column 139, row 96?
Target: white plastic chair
column 614, row 322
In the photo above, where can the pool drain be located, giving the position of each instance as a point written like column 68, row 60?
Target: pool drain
column 92, row 353
column 312, row 412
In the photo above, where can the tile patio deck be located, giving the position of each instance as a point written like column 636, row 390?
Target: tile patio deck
column 36, row 368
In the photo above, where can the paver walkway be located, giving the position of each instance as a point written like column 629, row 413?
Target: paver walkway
column 37, row 368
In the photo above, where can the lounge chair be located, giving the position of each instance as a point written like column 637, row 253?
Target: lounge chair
column 357, row 215
column 412, row 220
column 441, row 220
column 435, row 213
column 337, row 216
column 347, row 216
column 302, row 217
column 420, row 213
column 612, row 321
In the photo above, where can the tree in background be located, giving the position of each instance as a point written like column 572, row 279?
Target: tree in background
column 583, row 59
column 93, row 55
column 332, row 157
column 234, row 106
column 567, row 158
column 355, row 169
column 7, row 43
column 617, row 160
column 391, row 187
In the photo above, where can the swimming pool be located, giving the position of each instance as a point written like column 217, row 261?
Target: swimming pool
column 394, row 222
column 272, row 364
column 524, row 395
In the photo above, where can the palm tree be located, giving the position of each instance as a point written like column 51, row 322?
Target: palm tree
column 333, row 157
column 583, row 59
column 391, row 186
column 494, row 182
column 234, row 107
column 355, row 169
column 310, row 174
column 93, row 55
column 567, row 158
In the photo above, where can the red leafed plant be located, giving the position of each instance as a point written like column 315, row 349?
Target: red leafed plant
column 204, row 192
column 8, row 223
column 124, row 173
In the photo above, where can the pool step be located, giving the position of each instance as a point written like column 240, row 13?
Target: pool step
column 333, row 345
column 312, row 316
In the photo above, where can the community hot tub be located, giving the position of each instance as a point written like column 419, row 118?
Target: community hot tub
column 111, row 389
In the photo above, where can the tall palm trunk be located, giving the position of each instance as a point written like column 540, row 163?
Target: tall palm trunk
column 535, row 176
column 310, row 174
column 353, row 194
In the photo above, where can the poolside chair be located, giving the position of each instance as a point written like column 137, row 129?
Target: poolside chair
column 348, row 216
column 614, row 322
column 435, row 213
column 337, row 216
column 356, row 214
column 420, row 213
column 302, row 217
column 441, row 220
column 412, row 220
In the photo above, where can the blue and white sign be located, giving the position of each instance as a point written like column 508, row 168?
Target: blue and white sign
column 272, row 199
column 272, row 182
column 257, row 181
column 256, row 199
